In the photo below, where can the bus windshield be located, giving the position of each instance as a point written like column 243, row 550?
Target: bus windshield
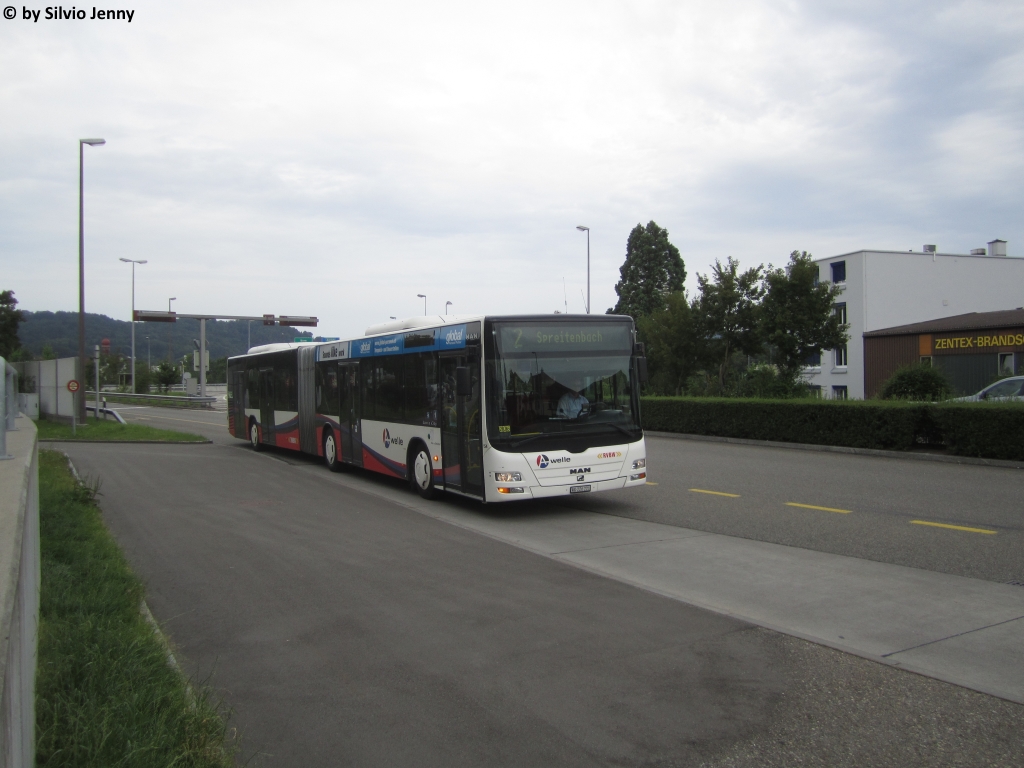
column 567, row 379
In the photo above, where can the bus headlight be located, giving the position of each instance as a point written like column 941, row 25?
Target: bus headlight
column 639, row 463
column 508, row 477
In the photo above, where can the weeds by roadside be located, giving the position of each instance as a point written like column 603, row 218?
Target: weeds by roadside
column 105, row 693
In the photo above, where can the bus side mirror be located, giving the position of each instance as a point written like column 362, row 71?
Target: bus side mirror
column 641, row 369
column 463, row 385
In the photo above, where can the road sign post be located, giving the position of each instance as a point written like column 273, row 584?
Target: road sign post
column 73, row 387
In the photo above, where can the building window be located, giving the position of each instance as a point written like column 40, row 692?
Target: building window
column 839, row 310
column 813, row 360
column 815, row 390
column 839, row 393
column 838, row 271
column 840, row 356
column 1006, row 364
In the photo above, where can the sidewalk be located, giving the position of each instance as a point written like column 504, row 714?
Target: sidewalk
column 964, row 631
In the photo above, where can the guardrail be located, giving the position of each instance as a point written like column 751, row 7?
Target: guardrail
column 19, row 577
column 190, row 399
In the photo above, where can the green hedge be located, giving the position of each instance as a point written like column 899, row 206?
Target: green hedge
column 968, row 429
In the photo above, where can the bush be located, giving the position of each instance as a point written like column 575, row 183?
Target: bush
column 986, row 430
column 916, row 382
column 967, row 429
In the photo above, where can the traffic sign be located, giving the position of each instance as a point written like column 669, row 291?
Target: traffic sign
column 74, row 386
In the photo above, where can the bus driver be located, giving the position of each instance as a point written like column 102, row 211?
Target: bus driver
column 572, row 404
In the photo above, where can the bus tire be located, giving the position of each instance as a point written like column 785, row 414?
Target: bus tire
column 254, row 435
column 331, row 457
column 421, row 472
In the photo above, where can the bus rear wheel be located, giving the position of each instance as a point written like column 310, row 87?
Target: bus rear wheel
column 254, row 435
column 421, row 473
column 331, row 457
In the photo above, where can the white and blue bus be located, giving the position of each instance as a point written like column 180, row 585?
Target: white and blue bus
column 496, row 408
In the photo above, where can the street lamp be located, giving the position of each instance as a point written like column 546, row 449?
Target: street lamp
column 170, row 336
column 424, row 297
column 446, row 305
column 81, row 252
column 587, row 230
column 133, row 262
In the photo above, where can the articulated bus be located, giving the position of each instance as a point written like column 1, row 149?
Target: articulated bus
column 496, row 408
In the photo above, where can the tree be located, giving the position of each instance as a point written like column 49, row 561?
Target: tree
column 668, row 335
column 797, row 317
column 10, row 317
column 167, row 376
column 653, row 269
column 727, row 313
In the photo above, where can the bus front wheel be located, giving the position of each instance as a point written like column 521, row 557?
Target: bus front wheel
column 331, row 457
column 421, row 473
column 254, row 435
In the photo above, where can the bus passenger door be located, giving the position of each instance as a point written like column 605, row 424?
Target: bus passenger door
column 267, row 405
column 349, row 415
column 461, row 433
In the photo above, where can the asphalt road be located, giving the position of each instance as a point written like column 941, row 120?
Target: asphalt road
column 883, row 509
column 346, row 629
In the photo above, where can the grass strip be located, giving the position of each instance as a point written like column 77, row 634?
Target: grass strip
column 111, row 429
column 105, row 693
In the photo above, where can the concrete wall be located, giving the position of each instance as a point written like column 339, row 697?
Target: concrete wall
column 19, row 595
column 51, row 379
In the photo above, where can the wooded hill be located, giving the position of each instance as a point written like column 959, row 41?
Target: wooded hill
column 59, row 330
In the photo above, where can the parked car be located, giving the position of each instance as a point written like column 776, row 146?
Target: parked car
column 1005, row 389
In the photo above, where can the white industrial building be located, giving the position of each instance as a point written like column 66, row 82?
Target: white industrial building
column 883, row 289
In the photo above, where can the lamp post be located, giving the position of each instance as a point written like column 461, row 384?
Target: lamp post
column 170, row 335
column 446, row 305
column 587, row 230
column 424, row 297
column 133, row 262
column 81, row 251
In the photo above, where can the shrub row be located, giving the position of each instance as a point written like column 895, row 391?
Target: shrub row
column 994, row 431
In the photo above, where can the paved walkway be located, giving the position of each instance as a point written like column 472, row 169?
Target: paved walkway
column 965, row 631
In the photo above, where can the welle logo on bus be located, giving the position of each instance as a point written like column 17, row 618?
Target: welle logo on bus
column 389, row 440
column 543, row 461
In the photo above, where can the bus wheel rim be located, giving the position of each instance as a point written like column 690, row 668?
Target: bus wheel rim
column 422, row 470
column 329, row 450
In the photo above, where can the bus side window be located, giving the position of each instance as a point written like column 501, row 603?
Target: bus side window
column 252, row 389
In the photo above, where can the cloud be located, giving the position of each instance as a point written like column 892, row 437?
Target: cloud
column 339, row 158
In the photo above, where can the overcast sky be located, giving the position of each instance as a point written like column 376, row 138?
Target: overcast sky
column 336, row 159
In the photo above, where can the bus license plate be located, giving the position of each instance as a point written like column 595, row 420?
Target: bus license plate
column 579, row 488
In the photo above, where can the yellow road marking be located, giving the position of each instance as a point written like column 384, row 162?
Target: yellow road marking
column 823, row 509
column 650, row 483
column 952, row 527
column 715, row 493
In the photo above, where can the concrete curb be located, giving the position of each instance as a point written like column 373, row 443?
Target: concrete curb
column 844, row 449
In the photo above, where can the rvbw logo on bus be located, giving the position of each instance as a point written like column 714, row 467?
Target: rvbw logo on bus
column 543, row 460
column 389, row 440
